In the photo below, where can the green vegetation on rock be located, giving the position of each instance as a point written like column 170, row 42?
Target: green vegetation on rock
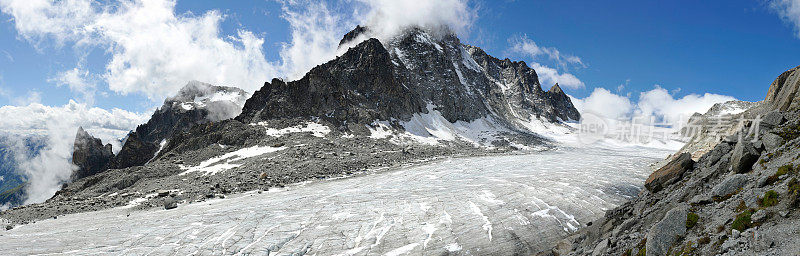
column 691, row 220
column 793, row 186
column 769, row 199
column 790, row 133
column 743, row 220
column 642, row 252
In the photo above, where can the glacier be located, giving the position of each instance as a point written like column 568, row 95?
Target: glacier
column 503, row 204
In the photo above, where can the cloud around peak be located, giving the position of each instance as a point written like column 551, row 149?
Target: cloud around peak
column 387, row 18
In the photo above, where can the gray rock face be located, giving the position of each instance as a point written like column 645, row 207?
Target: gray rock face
column 784, row 93
column 195, row 103
column 358, row 87
column 771, row 141
column 773, row 119
column 713, row 156
column 729, row 186
column 601, row 247
column 394, row 80
column 664, row 233
column 89, row 155
column 744, row 156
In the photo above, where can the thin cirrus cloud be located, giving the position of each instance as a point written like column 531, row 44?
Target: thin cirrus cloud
column 788, row 11
column 523, row 45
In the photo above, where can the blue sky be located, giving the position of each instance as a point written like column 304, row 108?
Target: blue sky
column 731, row 47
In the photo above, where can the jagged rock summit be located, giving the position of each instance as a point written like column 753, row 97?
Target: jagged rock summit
column 89, row 155
column 415, row 72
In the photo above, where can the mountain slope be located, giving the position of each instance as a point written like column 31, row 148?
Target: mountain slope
column 740, row 196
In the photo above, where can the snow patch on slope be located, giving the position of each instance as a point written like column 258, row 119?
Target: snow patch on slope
column 226, row 161
column 432, row 128
column 316, row 129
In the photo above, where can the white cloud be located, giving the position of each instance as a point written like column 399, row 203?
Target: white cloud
column 621, row 87
column 156, row 52
column 34, row 118
column 660, row 104
column 39, row 19
column 387, row 18
column 524, row 45
column 315, row 35
column 657, row 104
column 604, row 103
column 77, row 80
column 48, row 169
column 30, row 97
column 788, row 11
column 153, row 50
column 548, row 76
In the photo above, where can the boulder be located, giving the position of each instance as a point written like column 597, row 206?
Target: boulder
column 729, row 186
column 671, row 172
column 771, row 141
column 744, row 156
column 713, row 156
column 772, row 119
column 664, row 233
column 601, row 248
column 170, row 203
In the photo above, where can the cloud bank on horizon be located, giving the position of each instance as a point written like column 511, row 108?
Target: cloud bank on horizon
column 657, row 105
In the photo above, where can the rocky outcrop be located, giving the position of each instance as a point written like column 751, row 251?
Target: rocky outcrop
column 136, row 152
column 90, row 155
column 562, row 105
column 784, row 93
column 352, row 35
column 744, row 156
column 671, row 172
column 357, row 87
column 195, row 103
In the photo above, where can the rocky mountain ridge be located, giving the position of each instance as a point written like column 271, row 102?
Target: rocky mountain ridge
column 740, row 197
column 195, row 103
column 384, row 81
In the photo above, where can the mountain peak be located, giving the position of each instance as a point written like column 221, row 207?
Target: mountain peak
column 353, row 34
column 556, row 89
